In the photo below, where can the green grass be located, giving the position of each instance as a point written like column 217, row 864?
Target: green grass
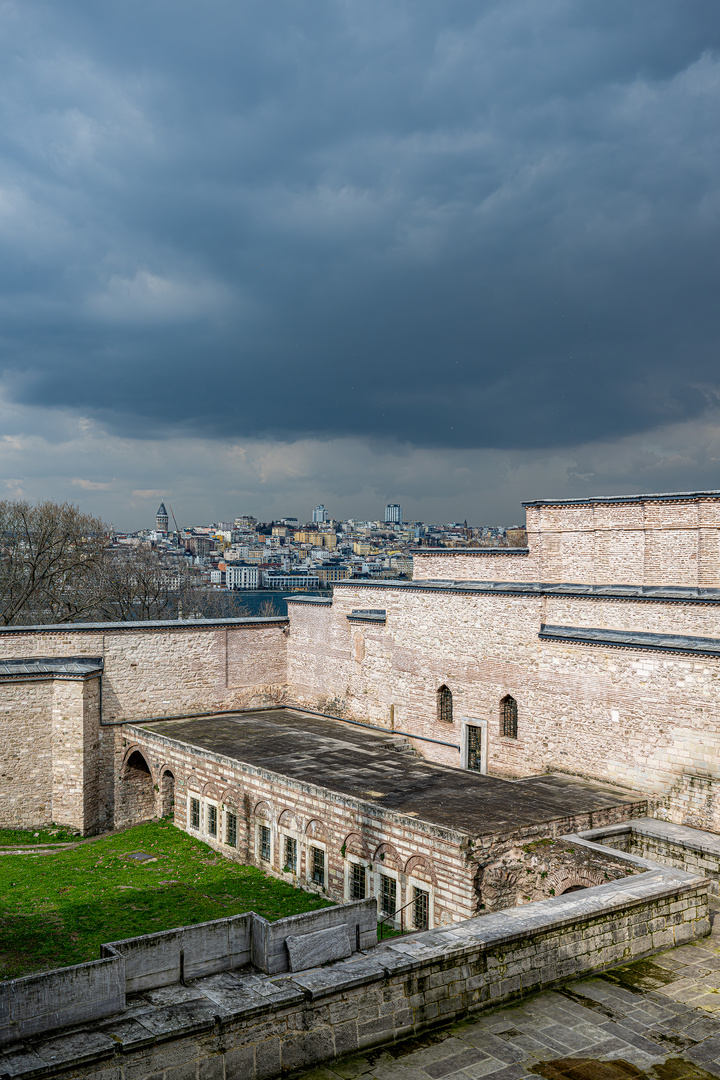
column 58, row 909
column 53, row 834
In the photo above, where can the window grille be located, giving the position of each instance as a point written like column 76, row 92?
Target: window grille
column 212, row 820
column 291, row 854
column 444, row 705
column 357, row 882
column 265, row 843
column 508, row 718
column 231, row 829
column 318, row 866
column 194, row 813
column 388, row 895
column 420, row 909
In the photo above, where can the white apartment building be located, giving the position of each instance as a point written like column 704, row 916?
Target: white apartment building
column 242, row 577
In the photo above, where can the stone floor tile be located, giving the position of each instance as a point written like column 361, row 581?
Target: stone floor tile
column 485, row 1068
column 494, row 1046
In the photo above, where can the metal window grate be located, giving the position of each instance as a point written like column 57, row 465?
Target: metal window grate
column 508, row 718
column 265, row 843
column 474, row 748
column 318, row 866
column 194, row 813
column 444, row 705
column 357, row 882
column 231, row 829
column 420, row 909
column 212, row 820
column 291, row 854
column 388, row 895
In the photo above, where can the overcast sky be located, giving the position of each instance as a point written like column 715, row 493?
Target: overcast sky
column 261, row 255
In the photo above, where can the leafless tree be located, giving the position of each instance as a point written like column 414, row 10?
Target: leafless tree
column 50, row 555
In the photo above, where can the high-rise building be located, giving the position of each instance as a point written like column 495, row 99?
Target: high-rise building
column 393, row 514
column 320, row 515
column 161, row 518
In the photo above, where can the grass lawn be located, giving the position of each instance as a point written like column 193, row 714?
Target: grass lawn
column 57, row 909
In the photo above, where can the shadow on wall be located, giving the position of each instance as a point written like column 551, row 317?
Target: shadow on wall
column 136, row 793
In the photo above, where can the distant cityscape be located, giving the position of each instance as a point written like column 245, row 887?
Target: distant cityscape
column 288, row 555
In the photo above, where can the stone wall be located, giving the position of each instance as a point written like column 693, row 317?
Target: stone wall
column 227, row 1027
column 639, row 718
column 634, row 542
column 26, row 753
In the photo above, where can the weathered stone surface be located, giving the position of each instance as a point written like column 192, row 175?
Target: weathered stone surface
column 311, row 950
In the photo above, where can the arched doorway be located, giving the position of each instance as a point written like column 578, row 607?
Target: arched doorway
column 167, row 794
column 573, row 888
column 137, row 795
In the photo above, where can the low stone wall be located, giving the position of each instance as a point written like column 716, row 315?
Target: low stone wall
column 663, row 842
column 87, row 992
column 241, row 1025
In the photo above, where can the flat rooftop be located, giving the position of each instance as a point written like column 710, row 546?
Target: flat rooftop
column 359, row 762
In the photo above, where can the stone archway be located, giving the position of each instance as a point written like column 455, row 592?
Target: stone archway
column 167, row 795
column 136, row 800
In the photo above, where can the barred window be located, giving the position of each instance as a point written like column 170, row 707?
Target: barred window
column 357, row 882
column 194, row 813
column 265, row 843
column 444, row 705
column 388, row 895
column 231, row 829
column 508, row 718
column 318, row 866
column 212, row 820
column 291, row 854
column 420, row 909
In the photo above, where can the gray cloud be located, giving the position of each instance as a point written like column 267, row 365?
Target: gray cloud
column 475, row 224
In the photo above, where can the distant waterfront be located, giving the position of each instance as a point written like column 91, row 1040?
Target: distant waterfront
column 252, row 600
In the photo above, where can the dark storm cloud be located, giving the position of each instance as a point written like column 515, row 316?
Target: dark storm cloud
column 479, row 224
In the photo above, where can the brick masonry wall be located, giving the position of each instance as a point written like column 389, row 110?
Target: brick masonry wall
column 640, row 543
column 646, row 720
column 391, row 994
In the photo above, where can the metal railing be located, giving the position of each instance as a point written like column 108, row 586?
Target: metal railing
column 394, row 915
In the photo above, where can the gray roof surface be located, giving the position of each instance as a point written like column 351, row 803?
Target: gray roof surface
column 359, row 762
column 681, row 593
column 139, row 624
column 61, row 665
column 657, row 496
column 584, row 635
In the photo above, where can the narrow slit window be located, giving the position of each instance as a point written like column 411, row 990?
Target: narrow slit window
column 290, row 855
column 444, row 705
column 508, row 718
column 357, row 882
column 420, row 909
column 231, row 829
column 212, row 820
column 265, row 843
column 194, row 813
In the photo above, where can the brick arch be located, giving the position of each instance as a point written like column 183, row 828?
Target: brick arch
column 355, row 844
column 387, row 854
column 316, row 830
column 562, row 880
column 136, row 748
column 289, row 820
column 230, row 797
column 135, row 800
column 263, row 809
column 193, row 783
column 210, row 791
column 167, row 790
column 421, row 867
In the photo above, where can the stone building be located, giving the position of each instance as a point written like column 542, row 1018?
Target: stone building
column 408, row 738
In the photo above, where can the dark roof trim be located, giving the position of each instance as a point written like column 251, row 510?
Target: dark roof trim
column 675, row 643
column 150, row 624
column 678, row 594
column 470, row 551
column 376, row 615
column 320, row 601
column 67, row 667
column 670, row 496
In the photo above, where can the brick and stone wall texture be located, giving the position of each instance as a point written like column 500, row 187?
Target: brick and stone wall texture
column 639, row 543
column 646, row 720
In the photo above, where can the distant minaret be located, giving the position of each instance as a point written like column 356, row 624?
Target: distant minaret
column 161, row 519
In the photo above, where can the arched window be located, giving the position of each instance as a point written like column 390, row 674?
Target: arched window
column 444, row 705
column 508, row 717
